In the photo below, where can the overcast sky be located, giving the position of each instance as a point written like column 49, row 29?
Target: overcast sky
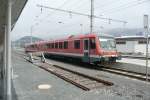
column 49, row 24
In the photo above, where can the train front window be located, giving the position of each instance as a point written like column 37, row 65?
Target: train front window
column 107, row 43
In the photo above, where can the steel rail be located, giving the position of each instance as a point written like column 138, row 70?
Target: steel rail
column 78, row 79
column 124, row 70
column 130, row 74
column 119, row 71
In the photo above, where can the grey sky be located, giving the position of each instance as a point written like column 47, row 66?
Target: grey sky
column 46, row 24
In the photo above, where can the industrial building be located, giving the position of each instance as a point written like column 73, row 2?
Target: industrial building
column 131, row 44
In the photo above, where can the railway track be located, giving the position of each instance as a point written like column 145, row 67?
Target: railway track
column 72, row 76
column 131, row 74
column 80, row 80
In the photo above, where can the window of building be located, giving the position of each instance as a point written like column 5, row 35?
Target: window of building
column 66, row 45
column 92, row 43
column 56, row 45
column 120, row 42
column 60, row 45
column 77, row 44
column 142, row 42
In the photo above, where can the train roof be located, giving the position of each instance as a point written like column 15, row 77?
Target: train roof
column 72, row 37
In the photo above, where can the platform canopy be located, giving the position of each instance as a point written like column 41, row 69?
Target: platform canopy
column 17, row 6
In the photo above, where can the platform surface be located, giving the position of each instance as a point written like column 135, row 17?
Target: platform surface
column 27, row 77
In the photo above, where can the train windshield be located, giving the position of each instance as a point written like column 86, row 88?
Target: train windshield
column 107, row 43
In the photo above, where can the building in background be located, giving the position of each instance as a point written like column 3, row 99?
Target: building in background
column 131, row 45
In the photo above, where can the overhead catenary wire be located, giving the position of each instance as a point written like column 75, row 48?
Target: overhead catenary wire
column 82, row 14
column 117, row 5
column 63, row 4
column 66, row 1
column 121, row 8
column 81, row 4
column 70, row 25
column 107, row 4
column 72, row 3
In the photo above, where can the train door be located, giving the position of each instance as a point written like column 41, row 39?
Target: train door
column 86, row 54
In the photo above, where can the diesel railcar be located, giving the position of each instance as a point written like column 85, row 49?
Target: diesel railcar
column 89, row 48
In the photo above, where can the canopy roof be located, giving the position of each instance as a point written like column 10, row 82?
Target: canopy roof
column 17, row 6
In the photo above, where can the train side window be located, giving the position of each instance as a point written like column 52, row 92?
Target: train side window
column 86, row 44
column 60, row 45
column 66, row 45
column 52, row 45
column 92, row 43
column 48, row 45
column 32, row 46
column 77, row 44
column 56, row 45
column 35, row 46
column 45, row 46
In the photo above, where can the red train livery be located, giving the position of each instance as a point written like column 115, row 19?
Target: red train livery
column 90, row 48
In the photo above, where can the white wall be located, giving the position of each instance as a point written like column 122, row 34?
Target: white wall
column 132, row 47
column 126, row 48
column 141, row 48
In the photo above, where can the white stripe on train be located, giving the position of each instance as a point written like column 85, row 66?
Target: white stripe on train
column 72, row 54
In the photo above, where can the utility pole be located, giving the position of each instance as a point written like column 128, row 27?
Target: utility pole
column 146, row 27
column 92, row 16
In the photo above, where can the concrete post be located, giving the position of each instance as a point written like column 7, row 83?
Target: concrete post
column 4, row 64
column 8, row 51
column 146, row 27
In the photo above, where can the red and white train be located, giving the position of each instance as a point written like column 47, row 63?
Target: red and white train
column 89, row 48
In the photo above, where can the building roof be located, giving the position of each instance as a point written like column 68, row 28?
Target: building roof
column 132, row 37
column 17, row 6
